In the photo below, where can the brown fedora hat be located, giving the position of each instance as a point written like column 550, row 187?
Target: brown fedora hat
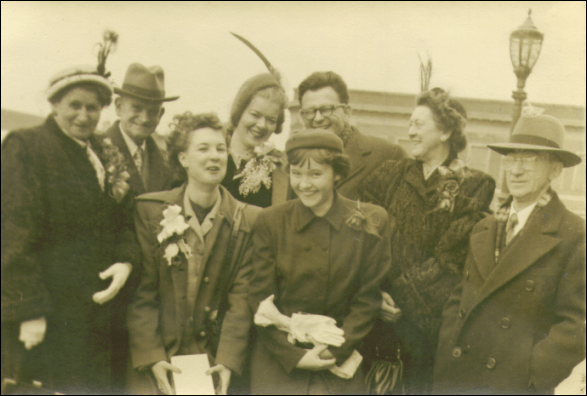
column 538, row 133
column 147, row 83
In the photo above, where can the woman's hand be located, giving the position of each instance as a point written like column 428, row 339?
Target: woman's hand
column 224, row 373
column 312, row 361
column 160, row 370
column 390, row 313
column 119, row 273
column 32, row 332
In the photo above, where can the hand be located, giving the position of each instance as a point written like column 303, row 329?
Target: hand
column 224, row 373
column 390, row 313
column 326, row 354
column 160, row 370
column 311, row 360
column 119, row 273
column 32, row 332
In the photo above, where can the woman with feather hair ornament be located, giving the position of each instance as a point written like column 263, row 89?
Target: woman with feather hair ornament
column 433, row 201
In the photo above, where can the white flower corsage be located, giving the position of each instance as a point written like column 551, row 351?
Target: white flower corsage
column 174, row 226
column 258, row 170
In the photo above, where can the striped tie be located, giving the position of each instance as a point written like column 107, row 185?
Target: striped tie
column 511, row 226
column 138, row 158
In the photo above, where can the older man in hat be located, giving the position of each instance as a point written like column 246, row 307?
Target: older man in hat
column 516, row 323
column 324, row 100
column 140, row 108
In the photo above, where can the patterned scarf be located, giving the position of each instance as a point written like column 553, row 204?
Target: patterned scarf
column 503, row 214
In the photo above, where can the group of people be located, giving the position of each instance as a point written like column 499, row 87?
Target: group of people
column 339, row 266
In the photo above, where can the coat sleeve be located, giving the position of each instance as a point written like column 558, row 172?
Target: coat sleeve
column 381, row 184
column 263, row 284
column 554, row 357
column 237, row 323
column 24, row 295
column 146, row 342
column 366, row 303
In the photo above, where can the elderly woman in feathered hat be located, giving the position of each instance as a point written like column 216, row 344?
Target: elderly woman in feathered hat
column 67, row 246
column 516, row 323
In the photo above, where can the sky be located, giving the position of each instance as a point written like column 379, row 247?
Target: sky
column 373, row 46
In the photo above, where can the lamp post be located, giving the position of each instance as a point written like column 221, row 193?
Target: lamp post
column 525, row 46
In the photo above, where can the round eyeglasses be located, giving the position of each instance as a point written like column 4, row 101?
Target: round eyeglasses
column 310, row 113
column 528, row 163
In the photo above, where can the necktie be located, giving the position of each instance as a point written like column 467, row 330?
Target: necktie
column 98, row 167
column 138, row 158
column 511, row 226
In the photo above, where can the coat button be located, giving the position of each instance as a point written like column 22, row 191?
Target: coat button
column 505, row 323
column 490, row 363
column 202, row 334
column 207, row 309
column 457, row 352
column 462, row 313
column 529, row 285
column 206, row 280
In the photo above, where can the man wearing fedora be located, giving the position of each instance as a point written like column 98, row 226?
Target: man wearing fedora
column 516, row 323
column 140, row 108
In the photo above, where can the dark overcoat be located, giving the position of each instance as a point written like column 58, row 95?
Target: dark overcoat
column 59, row 231
column 158, row 319
column 366, row 154
column 518, row 325
column 428, row 249
column 159, row 173
column 320, row 266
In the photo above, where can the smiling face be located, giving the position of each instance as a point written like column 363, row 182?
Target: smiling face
column 78, row 113
column 425, row 135
column 526, row 186
column 313, row 183
column 206, row 157
column 138, row 118
column 258, row 122
column 322, row 97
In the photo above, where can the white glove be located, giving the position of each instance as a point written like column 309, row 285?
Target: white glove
column 317, row 329
column 119, row 273
column 268, row 315
column 32, row 332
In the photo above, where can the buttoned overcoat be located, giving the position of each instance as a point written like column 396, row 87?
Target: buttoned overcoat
column 321, row 266
column 518, row 325
column 158, row 317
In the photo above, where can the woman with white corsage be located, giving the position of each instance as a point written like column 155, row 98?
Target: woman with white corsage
column 256, row 170
column 317, row 265
column 197, row 255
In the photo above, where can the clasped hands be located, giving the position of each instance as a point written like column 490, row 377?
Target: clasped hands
column 390, row 312
column 32, row 332
column 161, row 369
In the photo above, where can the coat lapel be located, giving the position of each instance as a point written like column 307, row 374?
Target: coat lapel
column 158, row 169
column 483, row 248
column 529, row 246
column 135, row 180
column 357, row 152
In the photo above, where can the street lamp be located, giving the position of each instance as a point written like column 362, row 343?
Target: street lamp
column 525, row 45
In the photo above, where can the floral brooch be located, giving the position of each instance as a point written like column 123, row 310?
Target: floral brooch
column 174, row 226
column 452, row 176
column 258, row 170
column 115, row 170
column 360, row 221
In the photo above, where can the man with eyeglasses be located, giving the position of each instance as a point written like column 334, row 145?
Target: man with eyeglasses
column 516, row 323
column 324, row 100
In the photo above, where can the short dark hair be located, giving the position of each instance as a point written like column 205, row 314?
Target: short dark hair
column 449, row 116
column 104, row 96
column 339, row 162
column 318, row 80
column 178, row 141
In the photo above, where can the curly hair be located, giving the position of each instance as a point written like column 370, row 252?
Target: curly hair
column 178, row 141
column 104, row 96
column 318, row 80
column 272, row 94
column 449, row 116
column 339, row 162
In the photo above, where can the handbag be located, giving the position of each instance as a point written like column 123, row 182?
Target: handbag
column 384, row 376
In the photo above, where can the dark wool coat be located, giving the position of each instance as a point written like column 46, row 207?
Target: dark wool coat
column 420, row 234
column 59, row 231
column 319, row 266
column 279, row 192
column 159, row 176
column 366, row 154
column 157, row 318
column 518, row 325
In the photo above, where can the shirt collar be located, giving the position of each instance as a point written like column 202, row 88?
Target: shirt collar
column 132, row 146
column 522, row 214
column 335, row 216
column 192, row 220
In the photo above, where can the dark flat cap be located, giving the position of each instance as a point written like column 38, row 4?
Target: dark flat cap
column 314, row 139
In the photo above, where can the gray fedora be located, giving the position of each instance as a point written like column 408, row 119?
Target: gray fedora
column 539, row 133
column 146, row 83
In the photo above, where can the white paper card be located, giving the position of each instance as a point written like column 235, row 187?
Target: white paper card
column 193, row 379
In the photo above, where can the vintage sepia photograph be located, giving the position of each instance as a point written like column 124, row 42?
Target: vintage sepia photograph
column 383, row 198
